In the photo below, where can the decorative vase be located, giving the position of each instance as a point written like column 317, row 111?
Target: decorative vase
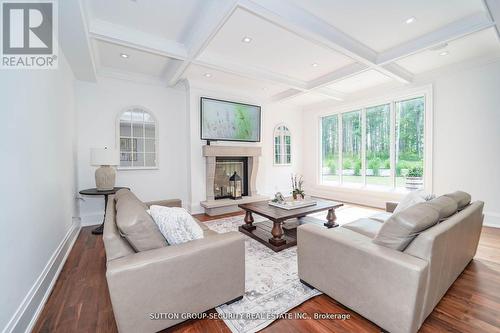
column 105, row 178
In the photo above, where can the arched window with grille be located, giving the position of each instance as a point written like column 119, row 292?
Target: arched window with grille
column 282, row 145
column 138, row 139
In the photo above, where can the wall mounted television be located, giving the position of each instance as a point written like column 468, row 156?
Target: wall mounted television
column 229, row 121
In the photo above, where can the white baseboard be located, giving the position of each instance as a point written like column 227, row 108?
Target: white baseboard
column 27, row 313
column 491, row 220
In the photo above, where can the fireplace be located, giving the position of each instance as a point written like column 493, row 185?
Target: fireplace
column 221, row 163
column 225, row 168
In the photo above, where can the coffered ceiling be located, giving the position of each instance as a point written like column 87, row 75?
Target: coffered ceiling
column 295, row 51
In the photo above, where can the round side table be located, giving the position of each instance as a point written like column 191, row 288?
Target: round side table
column 94, row 191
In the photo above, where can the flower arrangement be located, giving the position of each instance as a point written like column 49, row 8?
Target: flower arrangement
column 297, row 189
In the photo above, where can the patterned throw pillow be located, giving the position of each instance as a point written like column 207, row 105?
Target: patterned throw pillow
column 175, row 224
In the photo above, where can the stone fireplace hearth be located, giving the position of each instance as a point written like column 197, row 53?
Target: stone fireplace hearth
column 217, row 201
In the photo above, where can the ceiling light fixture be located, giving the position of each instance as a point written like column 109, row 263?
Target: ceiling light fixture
column 123, row 55
column 314, row 64
column 410, row 20
column 207, row 75
column 246, row 39
column 444, row 53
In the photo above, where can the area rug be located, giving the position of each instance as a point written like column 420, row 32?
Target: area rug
column 271, row 282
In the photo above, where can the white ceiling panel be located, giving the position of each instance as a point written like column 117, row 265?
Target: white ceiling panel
column 168, row 19
column 272, row 48
column 145, row 63
column 381, row 24
column 479, row 44
column 199, row 74
column 360, row 82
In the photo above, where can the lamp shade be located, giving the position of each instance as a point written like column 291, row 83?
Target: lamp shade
column 103, row 156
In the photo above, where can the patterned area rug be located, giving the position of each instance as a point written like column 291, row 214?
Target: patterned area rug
column 272, row 283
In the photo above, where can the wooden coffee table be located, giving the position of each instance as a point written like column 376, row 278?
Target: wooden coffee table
column 280, row 231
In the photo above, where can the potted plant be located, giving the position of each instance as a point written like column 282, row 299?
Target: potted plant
column 297, row 190
column 414, row 178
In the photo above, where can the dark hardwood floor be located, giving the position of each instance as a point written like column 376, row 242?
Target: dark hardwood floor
column 80, row 301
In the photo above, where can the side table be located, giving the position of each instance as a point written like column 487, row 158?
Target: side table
column 94, row 191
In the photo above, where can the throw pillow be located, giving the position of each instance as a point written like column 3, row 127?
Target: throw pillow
column 175, row 224
column 398, row 231
column 413, row 198
column 461, row 198
column 135, row 225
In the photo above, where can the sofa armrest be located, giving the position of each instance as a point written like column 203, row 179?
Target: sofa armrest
column 390, row 206
column 166, row 203
column 187, row 278
column 384, row 285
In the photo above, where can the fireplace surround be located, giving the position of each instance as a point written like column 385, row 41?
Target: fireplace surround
column 215, row 204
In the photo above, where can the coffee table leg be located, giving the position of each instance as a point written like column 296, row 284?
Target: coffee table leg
column 331, row 218
column 277, row 233
column 248, row 221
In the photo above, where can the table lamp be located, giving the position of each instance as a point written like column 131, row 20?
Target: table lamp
column 105, row 175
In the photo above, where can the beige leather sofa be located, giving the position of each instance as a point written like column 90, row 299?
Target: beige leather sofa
column 170, row 280
column 396, row 289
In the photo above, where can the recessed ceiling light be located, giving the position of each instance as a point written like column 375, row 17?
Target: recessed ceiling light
column 123, row 55
column 246, row 39
column 314, row 64
column 207, row 75
column 444, row 53
column 410, row 20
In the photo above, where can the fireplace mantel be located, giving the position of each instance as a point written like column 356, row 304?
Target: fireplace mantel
column 211, row 153
column 214, row 151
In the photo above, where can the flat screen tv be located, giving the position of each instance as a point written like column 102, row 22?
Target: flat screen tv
column 229, row 121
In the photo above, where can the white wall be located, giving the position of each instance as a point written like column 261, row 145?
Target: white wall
column 270, row 178
column 38, row 184
column 98, row 106
column 465, row 138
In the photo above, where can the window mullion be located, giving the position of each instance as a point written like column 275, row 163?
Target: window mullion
column 363, row 145
column 341, row 148
column 392, row 151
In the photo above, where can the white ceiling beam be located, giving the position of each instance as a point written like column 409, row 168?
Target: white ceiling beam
column 337, row 75
column 452, row 31
column 493, row 9
column 75, row 40
column 215, row 15
column 287, row 94
column 297, row 20
column 139, row 40
column 397, row 72
column 220, row 63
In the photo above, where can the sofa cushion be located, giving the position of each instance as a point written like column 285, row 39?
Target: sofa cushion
column 444, row 205
column 176, row 224
column 381, row 217
column 136, row 225
column 401, row 228
column 367, row 227
column 413, row 198
column 461, row 198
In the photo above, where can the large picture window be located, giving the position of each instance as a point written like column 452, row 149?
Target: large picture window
column 382, row 146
